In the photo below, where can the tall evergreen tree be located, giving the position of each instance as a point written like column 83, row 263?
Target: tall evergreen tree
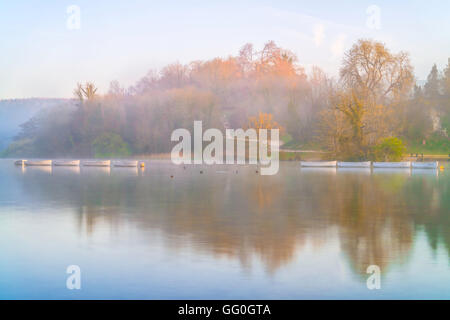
column 431, row 88
column 446, row 80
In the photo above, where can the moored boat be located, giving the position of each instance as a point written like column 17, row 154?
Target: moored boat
column 20, row 162
column 364, row 164
column 318, row 164
column 125, row 163
column 97, row 163
column 425, row 165
column 38, row 163
column 405, row 164
column 70, row 163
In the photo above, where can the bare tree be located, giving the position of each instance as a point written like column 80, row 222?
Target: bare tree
column 376, row 73
column 86, row 92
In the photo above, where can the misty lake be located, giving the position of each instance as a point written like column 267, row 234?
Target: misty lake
column 228, row 233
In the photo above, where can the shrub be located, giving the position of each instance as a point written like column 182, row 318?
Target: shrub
column 110, row 145
column 389, row 149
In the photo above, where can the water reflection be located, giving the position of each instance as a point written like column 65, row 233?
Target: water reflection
column 96, row 170
column 126, row 171
column 37, row 169
column 235, row 213
column 66, row 170
column 324, row 170
column 392, row 171
column 365, row 171
column 433, row 172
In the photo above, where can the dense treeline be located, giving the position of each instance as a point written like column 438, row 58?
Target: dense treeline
column 363, row 114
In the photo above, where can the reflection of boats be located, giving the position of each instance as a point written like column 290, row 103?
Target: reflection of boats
column 320, row 170
column 318, row 164
column 67, row 169
column 95, row 170
column 38, row 163
column 425, row 165
column 125, row 171
column 365, row 164
column 70, row 163
column 406, row 164
column 425, row 172
column 125, row 163
column 358, row 170
column 37, row 169
column 406, row 171
column 20, row 162
column 97, row 163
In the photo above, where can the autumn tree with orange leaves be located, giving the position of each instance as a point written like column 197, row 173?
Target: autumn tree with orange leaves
column 264, row 121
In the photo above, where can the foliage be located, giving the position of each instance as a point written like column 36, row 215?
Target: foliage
column 23, row 147
column 347, row 117
column 389, row 149
column 370, row 69
column 86, row 92
column 353, row 126
column 263, row 121
column 110, row 145
column 290, row 156
column 431, row 88
column 436, row 144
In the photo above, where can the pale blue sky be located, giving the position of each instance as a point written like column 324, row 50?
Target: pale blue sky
column 122, row 40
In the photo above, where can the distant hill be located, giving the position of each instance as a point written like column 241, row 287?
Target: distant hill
column 14, row 112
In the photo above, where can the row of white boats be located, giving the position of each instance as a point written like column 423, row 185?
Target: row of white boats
column 77, row 163
column 369, row 164
column 314, row 164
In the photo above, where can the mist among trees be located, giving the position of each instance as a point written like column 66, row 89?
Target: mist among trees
column 373, row 110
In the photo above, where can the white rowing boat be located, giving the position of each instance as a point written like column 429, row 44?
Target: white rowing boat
column 318, row 164
column 38, row 163
column 97, row 163
column 365, row 164
column 425, row 165
column 125, row 163
column 20, row 162
column 69, row 163
column 405, row 164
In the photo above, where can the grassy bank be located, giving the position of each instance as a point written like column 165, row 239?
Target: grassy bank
column 435, row 146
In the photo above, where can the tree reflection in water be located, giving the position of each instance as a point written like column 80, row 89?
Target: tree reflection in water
column 224, row 214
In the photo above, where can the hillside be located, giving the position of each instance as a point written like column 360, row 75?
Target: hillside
column 14, row 112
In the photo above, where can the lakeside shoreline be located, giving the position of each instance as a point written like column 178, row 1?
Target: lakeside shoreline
column 291, row 156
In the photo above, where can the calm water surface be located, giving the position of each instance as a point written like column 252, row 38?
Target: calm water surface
column 221, row 234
